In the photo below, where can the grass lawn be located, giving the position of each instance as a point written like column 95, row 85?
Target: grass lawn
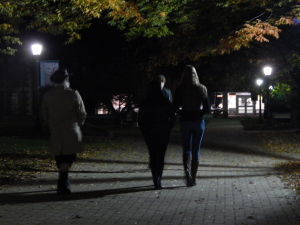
column 250, row 123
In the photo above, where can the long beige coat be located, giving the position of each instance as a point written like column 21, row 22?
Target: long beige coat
column 64, row 111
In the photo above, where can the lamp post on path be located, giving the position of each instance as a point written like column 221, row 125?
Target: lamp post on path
column 268, row 71
column 259, row 82
column 36, row 51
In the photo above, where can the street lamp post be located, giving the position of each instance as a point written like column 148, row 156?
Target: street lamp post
column 267, row 71
column 259, row 82
column 36, row 51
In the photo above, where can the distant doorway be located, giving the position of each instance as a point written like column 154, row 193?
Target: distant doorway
column 244, row 105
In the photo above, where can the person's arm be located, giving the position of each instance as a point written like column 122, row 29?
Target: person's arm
column 44, row 111
column 172, row 118
column 141, row 119
column 176, row 103
column 170, row 96
column 206, row 106
column 81, row 113
column 205, row 103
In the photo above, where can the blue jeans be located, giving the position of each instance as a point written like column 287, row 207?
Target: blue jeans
column 192, row 133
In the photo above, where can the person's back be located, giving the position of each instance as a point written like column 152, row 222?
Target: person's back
column 155, row 110
column 156, row 118
column 156, row 113
column 64, row 112
column 191, row 103
column 191, row 97
column 63, row 105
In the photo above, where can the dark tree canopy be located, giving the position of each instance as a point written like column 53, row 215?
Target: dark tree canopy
column 200, row 26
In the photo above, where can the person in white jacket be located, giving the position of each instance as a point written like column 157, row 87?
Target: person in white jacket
column 64, row 112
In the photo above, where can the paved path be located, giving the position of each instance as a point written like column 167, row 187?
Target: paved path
column 237, row 185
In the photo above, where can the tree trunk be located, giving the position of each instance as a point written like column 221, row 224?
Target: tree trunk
column 295, row 113
column 297, row 105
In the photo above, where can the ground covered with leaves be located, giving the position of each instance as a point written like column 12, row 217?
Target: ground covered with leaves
column 279, row 137
column 24, row 151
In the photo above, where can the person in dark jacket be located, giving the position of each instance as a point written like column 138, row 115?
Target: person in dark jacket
column 156, row 118
column 191, row 103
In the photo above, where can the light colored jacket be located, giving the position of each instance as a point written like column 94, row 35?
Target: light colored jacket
column 63, row 110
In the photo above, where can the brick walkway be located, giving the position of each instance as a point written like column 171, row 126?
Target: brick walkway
column 236, row 185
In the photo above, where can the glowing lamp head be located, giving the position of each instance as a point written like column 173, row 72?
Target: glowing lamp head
column 36, row 49
column 267, row 70
column 259, row 82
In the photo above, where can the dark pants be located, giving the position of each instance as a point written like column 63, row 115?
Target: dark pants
column 157, row 140
column 64, row 159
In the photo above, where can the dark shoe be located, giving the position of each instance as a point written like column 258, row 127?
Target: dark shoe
column 155, row 182
column 194, row 169
column 157, row 185
column 63, row 184
column 188, row 178
column 63, row 187
column 154, row 176
column 187, row 169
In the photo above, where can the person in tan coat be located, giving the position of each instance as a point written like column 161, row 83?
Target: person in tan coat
column 64, row 112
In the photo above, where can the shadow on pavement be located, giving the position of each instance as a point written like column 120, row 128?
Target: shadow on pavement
column 51, row 196
column 215, row 174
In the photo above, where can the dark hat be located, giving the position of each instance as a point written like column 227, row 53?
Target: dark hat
column 59, row 76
